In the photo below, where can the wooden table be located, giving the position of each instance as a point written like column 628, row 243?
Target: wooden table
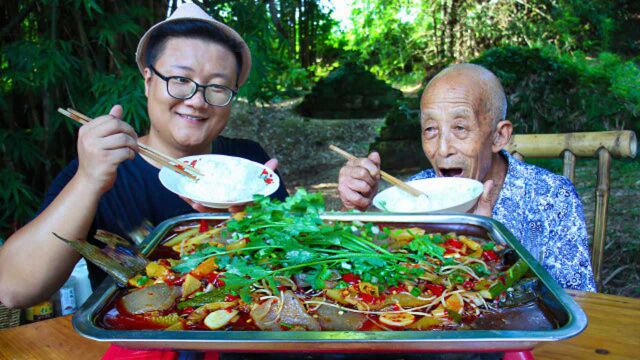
column 613, row 333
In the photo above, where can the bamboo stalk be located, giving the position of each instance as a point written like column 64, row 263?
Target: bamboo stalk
column 600, row 224
column 620, row 144
column 386, row 176
column 165, row 160
column 569, row 165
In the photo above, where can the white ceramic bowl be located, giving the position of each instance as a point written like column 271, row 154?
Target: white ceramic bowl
column 227, row 181
column 443, row 194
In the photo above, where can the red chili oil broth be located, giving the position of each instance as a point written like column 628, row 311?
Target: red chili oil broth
column 533, row 316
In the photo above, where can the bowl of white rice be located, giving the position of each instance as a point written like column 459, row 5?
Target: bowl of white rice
column 442, row 194
column 226, row 181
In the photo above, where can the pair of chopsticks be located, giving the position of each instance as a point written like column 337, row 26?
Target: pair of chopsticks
column 165, row 160
column 385, row 176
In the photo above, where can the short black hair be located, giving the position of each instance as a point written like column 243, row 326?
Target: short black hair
column 193, row 29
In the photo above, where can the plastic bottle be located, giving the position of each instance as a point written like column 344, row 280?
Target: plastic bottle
column 82, row 285
column 65, row 299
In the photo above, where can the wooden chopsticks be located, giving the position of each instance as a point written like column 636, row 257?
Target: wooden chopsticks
column 165, row 160
column 385, row 176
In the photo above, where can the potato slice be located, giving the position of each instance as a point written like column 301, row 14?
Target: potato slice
column 156, row 270
column 426, row 323
column 439, row 312
column 205, row 267
column 404, row 236
column 190, row 285
column 337, row 295
column 219, row 318
column 177, row 326
column 454, row 303
column 237, row 245
column 470, row 243
column 368, row 288
column 397, row 319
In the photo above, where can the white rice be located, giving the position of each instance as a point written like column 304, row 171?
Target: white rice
column 224, row 182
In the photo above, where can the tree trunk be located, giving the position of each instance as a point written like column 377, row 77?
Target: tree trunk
column 275, row 18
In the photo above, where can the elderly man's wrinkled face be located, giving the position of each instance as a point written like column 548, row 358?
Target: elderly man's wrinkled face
column 454, row 139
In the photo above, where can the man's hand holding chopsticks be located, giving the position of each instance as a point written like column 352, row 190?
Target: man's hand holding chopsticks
column 103, row 144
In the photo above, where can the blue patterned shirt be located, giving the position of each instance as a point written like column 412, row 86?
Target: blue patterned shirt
column 545, row 214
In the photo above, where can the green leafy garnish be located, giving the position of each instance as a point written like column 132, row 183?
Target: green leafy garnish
column 142, row 280
column 287, row 238
column 488, row 246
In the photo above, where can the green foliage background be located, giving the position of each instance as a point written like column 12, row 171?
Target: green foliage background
column 80, row 54
column 567, row 65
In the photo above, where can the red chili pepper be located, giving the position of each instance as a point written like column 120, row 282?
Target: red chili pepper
column 187, row 311
column 173, row 281
column 489, row 255
column 435, row 289
column 502, row 280
column 350, row 278
column 215, row 279
column 396, row 307
column 453, row 243
column 449, row 251
column 193, row 163
column 468, row 284
column 230, row 298
column 367, row 298
column 179, row 166
column 204, row 226
column 211, row 277
column 164, row 262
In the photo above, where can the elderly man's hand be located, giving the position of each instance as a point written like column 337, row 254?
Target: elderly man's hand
column 271, row 164
column 484, row 205
column 358, row 181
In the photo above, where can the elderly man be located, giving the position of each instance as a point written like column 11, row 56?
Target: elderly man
column 464, row 131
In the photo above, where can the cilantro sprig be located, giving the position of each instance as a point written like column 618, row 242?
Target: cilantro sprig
column 289, row 238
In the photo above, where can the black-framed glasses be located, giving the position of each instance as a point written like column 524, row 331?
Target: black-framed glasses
column 183, row 88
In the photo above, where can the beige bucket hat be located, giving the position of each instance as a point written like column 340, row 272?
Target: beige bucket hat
column 193, row 12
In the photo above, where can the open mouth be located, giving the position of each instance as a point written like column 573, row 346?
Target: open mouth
column 451, row 172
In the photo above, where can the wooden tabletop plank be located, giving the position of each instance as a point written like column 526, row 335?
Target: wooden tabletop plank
column 53, row 339
column 613, row 334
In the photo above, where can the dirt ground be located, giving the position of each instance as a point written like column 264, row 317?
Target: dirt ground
column 301, row 146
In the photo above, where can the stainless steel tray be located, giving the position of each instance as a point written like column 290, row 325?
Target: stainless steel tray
column 571, row 319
